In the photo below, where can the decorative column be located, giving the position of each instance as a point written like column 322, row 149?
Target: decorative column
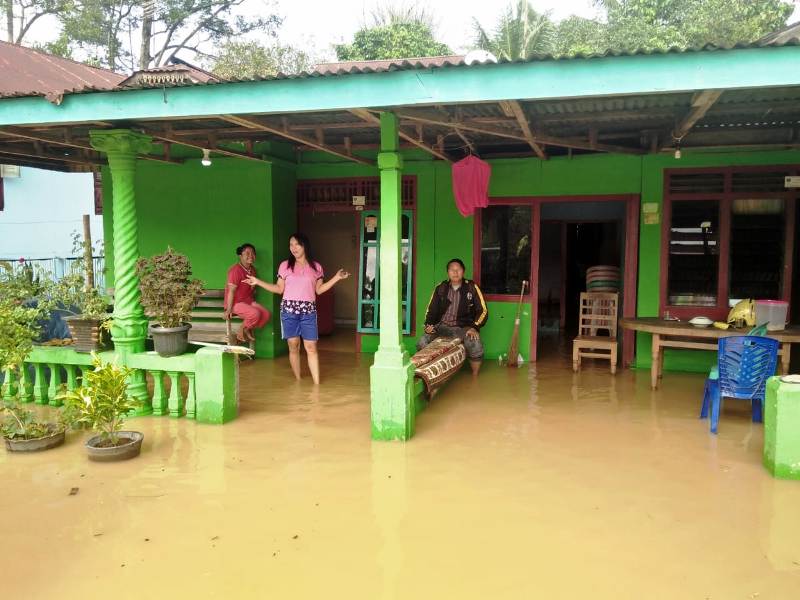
column 129, row 329
column 391, row 375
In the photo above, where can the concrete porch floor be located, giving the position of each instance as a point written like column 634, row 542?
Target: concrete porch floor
column 529, row 483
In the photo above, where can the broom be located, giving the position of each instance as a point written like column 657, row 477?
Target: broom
column 513, row 347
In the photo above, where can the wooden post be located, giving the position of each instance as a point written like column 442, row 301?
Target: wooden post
column 87, row 252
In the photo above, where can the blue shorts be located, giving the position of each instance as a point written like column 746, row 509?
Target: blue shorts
column 303, row 326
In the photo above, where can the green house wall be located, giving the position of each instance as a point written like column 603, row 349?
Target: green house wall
column 206, row 212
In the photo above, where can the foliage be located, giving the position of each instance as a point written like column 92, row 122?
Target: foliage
column 395, row 32
column 521, row 33
column 21, row 423
column 168, row 293
column 72, row 294
column 105, row 29
column 20, row 314
column 102, row 402
column 628, row 25
column 244, row 60
column 20, row 15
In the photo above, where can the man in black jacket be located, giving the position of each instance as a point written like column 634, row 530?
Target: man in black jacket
column 457, row 309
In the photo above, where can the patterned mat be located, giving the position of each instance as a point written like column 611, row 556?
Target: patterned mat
column 437, row 362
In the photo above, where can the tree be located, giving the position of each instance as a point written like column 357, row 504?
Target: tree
column 243, row 60
column 105, row 29
column 403, row 32
column 520, row 33
column 20, row 15
column 576, row 35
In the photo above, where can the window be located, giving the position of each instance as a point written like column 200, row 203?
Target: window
column 726, row 234
column 505, row 248
column 369, row 272
column 694, row 253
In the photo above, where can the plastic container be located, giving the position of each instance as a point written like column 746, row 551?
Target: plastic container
column 773, row 313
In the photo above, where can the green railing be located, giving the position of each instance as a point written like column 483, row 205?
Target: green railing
column 212, row 394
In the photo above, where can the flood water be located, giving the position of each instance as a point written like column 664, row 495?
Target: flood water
column 524, row 483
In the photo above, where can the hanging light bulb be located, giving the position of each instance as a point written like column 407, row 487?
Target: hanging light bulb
column 677, row 153
column 206, row 161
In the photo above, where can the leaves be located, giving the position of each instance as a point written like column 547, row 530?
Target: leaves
column 395, row 34
column 521, row 33
column 21, row 423
column 168, row 293
column 21, row 313
column 246, row 60
column 102, row 402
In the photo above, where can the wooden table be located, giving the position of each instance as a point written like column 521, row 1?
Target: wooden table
column 680, row 334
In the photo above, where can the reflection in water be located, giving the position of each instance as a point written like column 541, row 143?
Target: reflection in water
column 525, row 483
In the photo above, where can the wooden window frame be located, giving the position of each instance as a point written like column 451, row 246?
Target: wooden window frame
column 725, row 200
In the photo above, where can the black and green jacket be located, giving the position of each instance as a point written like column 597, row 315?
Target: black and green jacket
column 472, row 311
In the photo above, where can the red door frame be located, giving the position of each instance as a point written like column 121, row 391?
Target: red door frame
column 630, row 255
column 725, row 200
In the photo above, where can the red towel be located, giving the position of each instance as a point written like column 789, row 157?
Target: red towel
column 471, row 184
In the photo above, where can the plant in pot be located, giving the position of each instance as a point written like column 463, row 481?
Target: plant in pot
column 23, row 432
column 85, row 309
column 102, row 403
column 168, row 296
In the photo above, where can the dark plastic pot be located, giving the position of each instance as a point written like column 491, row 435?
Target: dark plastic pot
column 130, row 447
column 87, row 335
column 37, row 444
column 170, row 341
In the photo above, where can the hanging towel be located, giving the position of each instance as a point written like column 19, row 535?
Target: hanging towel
column 471, row 184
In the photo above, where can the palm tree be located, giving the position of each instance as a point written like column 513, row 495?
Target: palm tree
column 520, row 34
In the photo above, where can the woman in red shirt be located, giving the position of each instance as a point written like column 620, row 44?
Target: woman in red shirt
column 239, row 297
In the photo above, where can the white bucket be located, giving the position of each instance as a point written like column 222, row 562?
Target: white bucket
column 773, row 313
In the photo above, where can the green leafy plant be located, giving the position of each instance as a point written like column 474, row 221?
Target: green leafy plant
column 168, row 292
column 102, row 402
column 74, row 298
column 21, row 424
column 22, row 308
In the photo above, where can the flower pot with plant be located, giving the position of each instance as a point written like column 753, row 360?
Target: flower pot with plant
column 102, row 403
column 168, row 296
column 86, row 311
column 23, row 432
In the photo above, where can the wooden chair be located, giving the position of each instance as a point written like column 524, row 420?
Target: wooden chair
column 209, row 323
column 598, row 311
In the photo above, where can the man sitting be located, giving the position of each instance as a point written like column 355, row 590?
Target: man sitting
column 457, row 309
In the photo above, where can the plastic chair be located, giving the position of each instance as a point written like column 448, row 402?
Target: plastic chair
column 744, row 363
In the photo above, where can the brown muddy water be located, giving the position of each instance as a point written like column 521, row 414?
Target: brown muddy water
column 529, row 483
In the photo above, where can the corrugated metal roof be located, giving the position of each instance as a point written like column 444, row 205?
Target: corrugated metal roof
column 787, row 37
column 28, row 72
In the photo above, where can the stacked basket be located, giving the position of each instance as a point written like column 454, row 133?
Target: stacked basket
column 602, row 278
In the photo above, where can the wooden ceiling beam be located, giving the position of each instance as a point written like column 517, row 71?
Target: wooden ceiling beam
column 285, row 132
column 522, row 121
column 701, row 104
column 366, row 115
column 50, row 156
column 169, row 137
column 427, row 117
column 69, row 142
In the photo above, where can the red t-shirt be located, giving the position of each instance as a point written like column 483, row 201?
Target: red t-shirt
column 244, row 293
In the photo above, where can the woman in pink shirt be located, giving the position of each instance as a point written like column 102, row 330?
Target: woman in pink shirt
column 239, row 298
column 300, row 281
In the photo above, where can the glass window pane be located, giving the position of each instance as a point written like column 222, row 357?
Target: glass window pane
column 369, row 266
column 505, row 248
column 406, row 229
column 757, row 248
column 693, row 270
column 369, row 318
column 370, row 232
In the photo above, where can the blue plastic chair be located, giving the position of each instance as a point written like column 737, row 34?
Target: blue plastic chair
column 744, row 363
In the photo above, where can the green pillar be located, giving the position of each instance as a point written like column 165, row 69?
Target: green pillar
column 391, row 375
column 781, row 454
column 130, row 325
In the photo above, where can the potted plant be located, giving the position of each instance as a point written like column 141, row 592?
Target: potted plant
column 86, row 311
column 84, row 307
column 168, row 297
column 22, row 432
column 102, row 403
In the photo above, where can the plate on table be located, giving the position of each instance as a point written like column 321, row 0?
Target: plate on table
column 701, row 321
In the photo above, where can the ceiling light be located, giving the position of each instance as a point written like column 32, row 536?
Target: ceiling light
column 677, row 153
column 206, row 161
